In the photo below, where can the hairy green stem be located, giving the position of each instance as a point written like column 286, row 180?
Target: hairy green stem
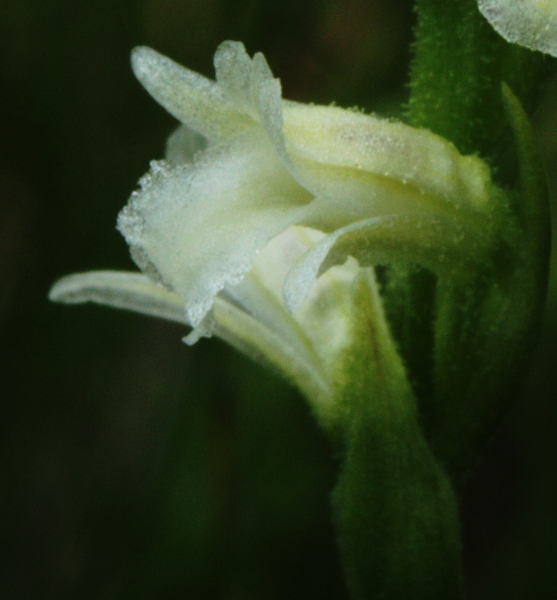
column 459, row 65
column 394, row 507
column 410, row 425
column 396, row 514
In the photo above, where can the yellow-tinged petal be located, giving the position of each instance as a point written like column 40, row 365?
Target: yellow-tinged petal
column 332, row 136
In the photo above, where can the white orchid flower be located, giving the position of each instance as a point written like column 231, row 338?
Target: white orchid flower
column 267, row 214
column 530, row 23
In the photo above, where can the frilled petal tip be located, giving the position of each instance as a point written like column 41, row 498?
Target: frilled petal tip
column 530, row 23
column 198, row 228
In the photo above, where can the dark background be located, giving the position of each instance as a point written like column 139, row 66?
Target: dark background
column 133, row 466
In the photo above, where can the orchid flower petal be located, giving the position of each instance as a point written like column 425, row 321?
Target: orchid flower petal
column 259, row 294
column 435, row 243
column 530, row 23
column 327, row 313
column 268, row 215
column 120, row 289
column 198, row 227
column 254, row 314
column 193, row 99
column 234, row 75
column 250, row 84
column 355, row 144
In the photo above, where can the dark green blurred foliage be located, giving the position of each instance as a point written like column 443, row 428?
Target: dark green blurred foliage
column 133, row 466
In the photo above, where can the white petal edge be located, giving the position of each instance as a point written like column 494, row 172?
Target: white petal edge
column 199, row 227
column 193, row 99
column 441, row 245
column 530, row 23
column 257, row 341
column 327, row 313
column 234, row 75
column 120, row 289
column 250, row 84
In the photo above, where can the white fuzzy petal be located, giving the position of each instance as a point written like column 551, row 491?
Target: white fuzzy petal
column 193, row 99
column 119, row 289
column 233, row 69
column 199, row 227
column 250, row 84
column 327, row 313
column 260, row 291
column 530, row 23
column 308, row 342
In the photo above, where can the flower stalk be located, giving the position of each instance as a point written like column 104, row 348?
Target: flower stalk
column 456, row 73
column 477, row 327
column 464, row 78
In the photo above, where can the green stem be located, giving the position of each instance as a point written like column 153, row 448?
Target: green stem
column 487, row 323
column 396, row 513
column 457, row 71
column 394, row 504
column 459, row 65
column 394, row 507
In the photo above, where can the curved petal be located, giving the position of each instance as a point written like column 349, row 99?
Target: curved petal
column 199, row 227
column 439, row 244
column 349, row 196
column 250, row 84
column 260, row 291
column 120, row 289
column 322, row 327
column 326, row 314
column 259, row 294
column 305, row 344
column 258, row 341
column 530, row 23
column 321, row 137
column 193, row 99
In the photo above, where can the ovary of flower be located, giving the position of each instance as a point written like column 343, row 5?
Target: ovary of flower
column 530, row 23
column 266, row 212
